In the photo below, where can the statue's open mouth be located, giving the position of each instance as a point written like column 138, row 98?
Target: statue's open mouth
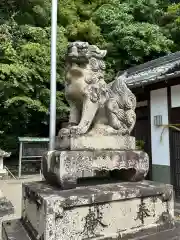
column 77, row 58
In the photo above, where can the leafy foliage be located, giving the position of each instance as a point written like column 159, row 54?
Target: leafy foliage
column 25, row 79
column 132, row 31
column 171, row 24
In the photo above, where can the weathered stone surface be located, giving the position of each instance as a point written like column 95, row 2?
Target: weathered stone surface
column 112, row 211
column 64, row 167
column 96, row 142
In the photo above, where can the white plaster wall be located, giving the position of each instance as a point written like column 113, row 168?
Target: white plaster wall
column 175, row 96
column 160, row 149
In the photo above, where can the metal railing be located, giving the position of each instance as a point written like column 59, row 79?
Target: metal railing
column 12, row 175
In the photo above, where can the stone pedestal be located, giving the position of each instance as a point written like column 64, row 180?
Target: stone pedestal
column 65, row 167
column 108, row 211
column 96, row 142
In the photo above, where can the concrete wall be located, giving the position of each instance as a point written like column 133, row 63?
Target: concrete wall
column 160, row 146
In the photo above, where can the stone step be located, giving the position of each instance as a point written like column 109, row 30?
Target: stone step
column 14, row 230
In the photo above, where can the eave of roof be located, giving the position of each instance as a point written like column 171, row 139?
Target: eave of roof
column 145, row 82
column 161, row 69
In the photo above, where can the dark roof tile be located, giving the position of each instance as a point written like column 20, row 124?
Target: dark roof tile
column 154, row 71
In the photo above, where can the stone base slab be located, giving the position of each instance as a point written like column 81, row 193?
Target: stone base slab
column 65, row 167
column 102, row 212
column 96, row 142
column 17, row 230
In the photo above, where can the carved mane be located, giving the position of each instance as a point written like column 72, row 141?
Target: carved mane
column 90, row 57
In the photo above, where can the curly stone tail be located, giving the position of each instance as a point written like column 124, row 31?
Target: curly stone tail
column 120, row 88
column 122, row 105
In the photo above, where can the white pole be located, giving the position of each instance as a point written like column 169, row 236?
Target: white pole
column 20, row 159
column 52, row 128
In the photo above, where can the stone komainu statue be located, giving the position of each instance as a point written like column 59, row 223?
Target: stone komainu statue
column 94, row 104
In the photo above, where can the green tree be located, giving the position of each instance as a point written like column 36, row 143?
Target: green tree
column 25, row 78
column 132, row 31
column 171, row 24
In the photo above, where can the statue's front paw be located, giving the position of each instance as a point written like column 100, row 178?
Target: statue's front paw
column 125, row 132
column 64, row 132
column 75, row 130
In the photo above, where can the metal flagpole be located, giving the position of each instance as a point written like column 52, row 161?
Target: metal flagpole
column 52, row 128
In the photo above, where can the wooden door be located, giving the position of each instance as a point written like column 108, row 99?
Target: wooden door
column 175, row 150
